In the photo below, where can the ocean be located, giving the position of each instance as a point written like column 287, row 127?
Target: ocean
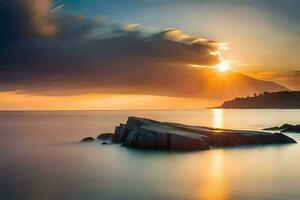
column 41, row 159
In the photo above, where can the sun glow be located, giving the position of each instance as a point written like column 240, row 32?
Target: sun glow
column 223, row 66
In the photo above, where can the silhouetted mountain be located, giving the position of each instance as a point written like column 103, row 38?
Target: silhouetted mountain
column 282, row 100
column 230, row 84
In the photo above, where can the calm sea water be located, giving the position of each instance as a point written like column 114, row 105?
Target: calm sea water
column 40, row 159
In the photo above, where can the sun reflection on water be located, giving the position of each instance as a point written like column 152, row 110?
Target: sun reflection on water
column 217, row 118
column 215, row 183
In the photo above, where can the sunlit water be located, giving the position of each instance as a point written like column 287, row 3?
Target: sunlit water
column 40, row 159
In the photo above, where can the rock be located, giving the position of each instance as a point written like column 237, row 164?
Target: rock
column 284, row 139
column 120, row 134
column 285, row 128
column 274, row 128
column 104, row 143
column 149, row 134
column 292, row 129
column 182, row 143
column 105, row 136
column 88, row 139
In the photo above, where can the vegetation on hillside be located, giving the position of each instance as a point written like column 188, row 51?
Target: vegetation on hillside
column 283, row 99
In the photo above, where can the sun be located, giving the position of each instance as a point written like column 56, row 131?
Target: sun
column 223, row 66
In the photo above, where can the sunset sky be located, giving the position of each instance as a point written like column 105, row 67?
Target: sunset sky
column 156, row 54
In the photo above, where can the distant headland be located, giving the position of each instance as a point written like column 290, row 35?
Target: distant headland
column 265, row 100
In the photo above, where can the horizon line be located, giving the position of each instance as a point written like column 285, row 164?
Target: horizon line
column 102, row 110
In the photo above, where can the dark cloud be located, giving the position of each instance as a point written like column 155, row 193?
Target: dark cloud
column 20, row 19
column 49, row 52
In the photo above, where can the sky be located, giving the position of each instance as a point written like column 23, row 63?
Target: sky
column 260, row 32
column 132, row 54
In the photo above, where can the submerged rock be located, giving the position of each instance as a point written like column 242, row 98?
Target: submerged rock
column 149, row 134
column 285, row 128
column 88, row 139
column 105, row 136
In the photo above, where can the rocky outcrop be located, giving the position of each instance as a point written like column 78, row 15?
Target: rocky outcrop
column 293, row 129
column 105, row 136
column 120, row 134
column 88, row 139
column 285, row 128
column 149, row 134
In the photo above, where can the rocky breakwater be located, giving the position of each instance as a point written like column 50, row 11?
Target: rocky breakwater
column 149, row 134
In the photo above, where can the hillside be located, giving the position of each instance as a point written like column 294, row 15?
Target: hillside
column 278, row 100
